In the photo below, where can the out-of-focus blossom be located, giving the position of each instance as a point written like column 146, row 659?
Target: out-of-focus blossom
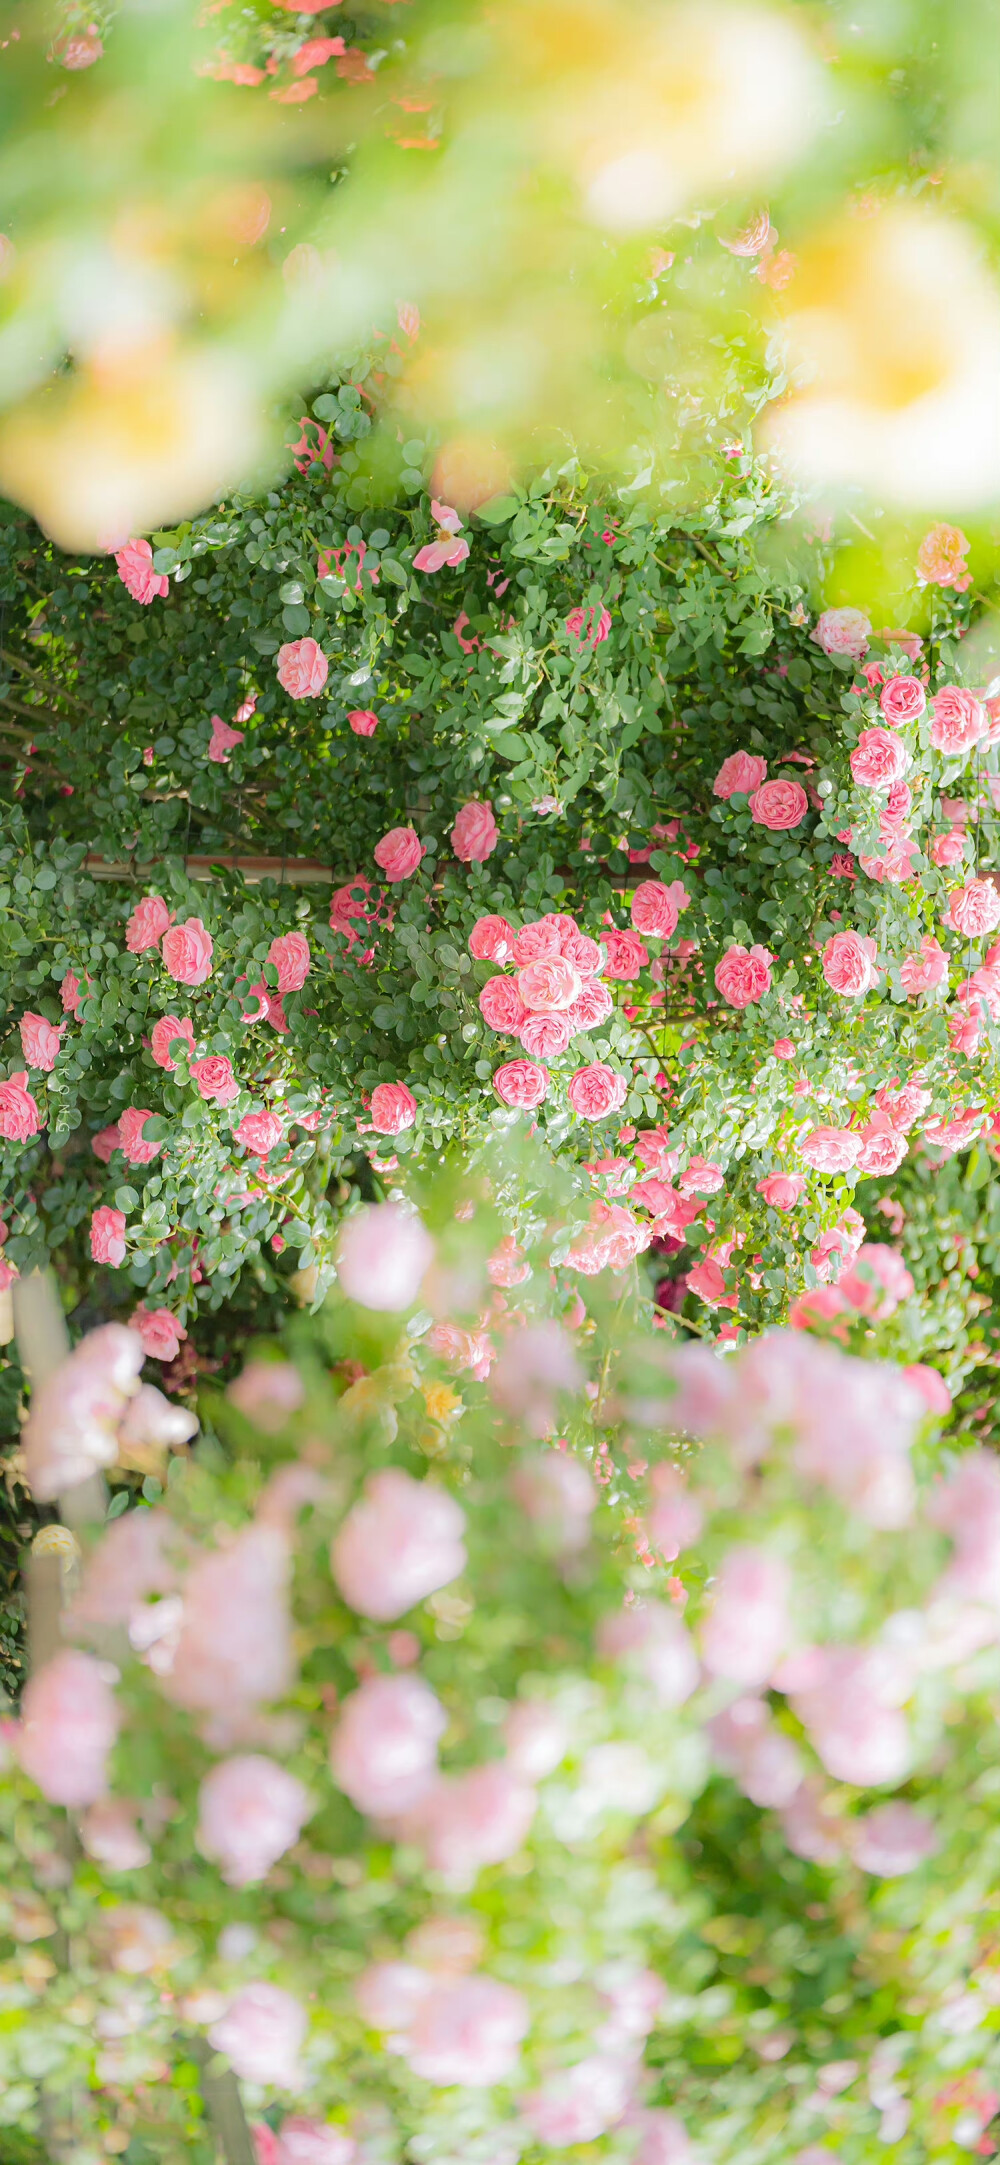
column 261, row 2034
column 69, row 1724
column 72, row 1427
column 400, row 1542
column 382, row 1256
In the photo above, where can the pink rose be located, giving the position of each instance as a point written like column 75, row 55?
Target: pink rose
column 590, row 627
column 508, row 1265
column 902, row 700
column 223, row 741
column 536, row 942
column 147, row 924
column 363, row 722
column 829, row 1150
column 941, row 558
column 259, row 1133
column 160, row 1332
column 187, row 952
column 213, row 1078
column 71, row 993
column 250, row 1811
column 448, row 548
column 393, row 1108
column 130, row 1137
column 40, row 1041
column 470, row 1820
column 591, row 1007
column 748, row 1623
column 947, row 849
column 474, row 835
column 959, row 720
column 580, row 2103
column 383, row 1752
column 382, row 1255
column 492, row 940
column 753, row 238
column 879, row 759
column 302, row 2141
column 166, row 1032
column 920, row 972
column 235, row 1650
column 69, row 1725
column 779, row 805
column 882, row 1148
column 596, row 1091
column 261, row 2035
column 107, row 1236
column 545, row 1037
column 655, row 908
column 932, row 1387
column 467, row 2032
column 19, row 1115
column 399, row 853
column 289, row 955
column 583, row 952
column 781, row 1190
column 501, row 1005
column 739, row 775
column 72, row 1427
column 135, row 568
column 105, row 1143
column 743, row 975
column 401, row 1541
column 521, row 1084
column 974, row 909
column 302, row 669
column 843, row 632
column 849, row 964
column 549, row 986
column 707, row 1281
column 783, row 1048
column 626, row 956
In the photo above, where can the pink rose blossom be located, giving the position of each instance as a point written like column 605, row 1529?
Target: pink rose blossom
column 627, row 956
column 268, row 1392
column 941, row 558
column 879, row 759
column 214, row 1079
column 474, row 835
column 448, row 548
column 470, row 1820
column 663, row 2139
column 743, row 975
column 235, row 1647
column 830, row 1150
column 748, row 1622
column 388, row 1994
column 135, row 564
column 71, row 993
column 187, row 952
column 959, row 720
column 849, row 964
column 556, row 1493
column 893, row 1839
column 69, row 1725
column 973, row 909
column 508, row 1265
column 537, row 1738
column 223, row 741
column 536, row 942
column 706, row 1279
column 596, row 1091
column 843, row 632
column 882, row 1147
column 931, row 1386
column 521, row 1084
column 399, row 853
column 249, row 1812
column 848, row 1701
column 302, row 2141
column 654, row 1644
column 149, row 921
column 468, row 2033
column 166, row 1032
column 492, row 940
column 302, row 668
column 160, row 1332
column 393, row 1108
column 590, row 627
column 130, row 1137
column 107, row 1236
column 109, row 1834
column 904, row 1103
column 400, row 1542
column 260, row 1133
column 501, row 1005
column 779, row 805
column 151, row 1420
column 921, row 972
column 382, row 1255
column 261, row 2035
column 753, row 238
column 781, row 1190
column 655, row 908
column 383, row 1753
column 878, row 1279
column 592, row 1006
column 579, row 2103
column 289, row 955
column 72, row 1426
column 363, row 721
column 947, row 849
column 902, row 700
column 740, row 775
column 545, row 1037
column 549, row 986
column 19, row 1115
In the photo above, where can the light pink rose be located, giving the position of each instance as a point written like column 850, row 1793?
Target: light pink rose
column 878, row 1280
column 223, row 741
column 651, row 1642
column 549, row 986
column 259, row 1133
column 363, row 721
column 388, row 1994
column 843, row 632
column 383, row 1753
column 545, row 1037
column 289, row 955
column 399, row 853
column 974, row 909
column 882, row 1149
column 40, row 1041
column 130, row 1137
column 847, row 1699
column 894, row 1838
column 879, row 759
column 268, row 1392
column 522, row 1084
column 165, row 1033
column 902, row 700
column 743, row 975
column 830, row 1150
column 584, row 953
column 537, row 1738
column 249, row 1812
column 107, row 1236
column 160, row 1332
column 213, row 1078
column 921, row 972
column 580, row 2103
column 748, row 1622
column 382, row 1255
column 235, row 1645
column 779, row 805
column 393, row 1108
column 508, row 1265
column 627, row 957
column 663, row 2139
column 596, row 1091
column 474, row 835
column 187, row 952
column 959, row 720
column 109, row 1834
column 302, row 2141
column 149, row 921
column 931, row 1386
column 781, row 1190
column 947, row 849
column 71, row 993
column 69, row 1725
column 492, row 940
column 941, row 558
column 655, row 908
column 150, row 1419
column 261, row 2035
column 849, row 964
column 537, row 942
column 740, row 775
column 448, row 548
column 470, row 1820
column 468, row 2033
column 592, row 1006
column 135, row 560
column 556, row 1493
column 590, row 627
column 302, row 668
column 72, row 1426
column 401, row 1541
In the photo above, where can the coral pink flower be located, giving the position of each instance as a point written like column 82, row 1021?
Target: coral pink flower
column 107, row 1236
column 223, row 740
column 596, row 1091
column 135, row 569
column 779, row 805
column 536, row 942
column 71, row 993
column 467, row 2033
column 235, row 1647
column 882, row 1149
column 973, row 910
column 877, row 1280
column 902, row 700
column 581, row 2102
column 655, row 908
column 849, row 964
column 302, row 668
column 400, row 1542
column 159, row 1331
column 213, row 1078
column 830, row 1150
column 383, row 1752
column 249, row 1812
column 260, row 1133
column 947, row 849
column 707, row 1281
column 166, row 1032
column 492, row 940
column 501, row 1006
column 549, row 986
column 289, row 955
column 701, row 1177
column 843, row 632
column 261, row 2035
column 521, row 1084
column 448, row 548
column 19, row 1115
column 904, row 1103
column 474, row 835
column 931, row 1386
column 475, row 1819
column 590, row 627
column 69, row 1725
column 105, row 1143
column 583, row 952
column 399, row 853
column 921, row 972
column 941, row 558
column 393, row 1108
column 743, row 975
column 879, row 759
column 627, row 956
column 40, row 1041
column 740, row 775
column 382, row 1255
column 753, row 238
column 147, row 924
column 545, row 1037
column 72, row 1427
column 363, row 721
column 508, row 1265
column 130, row 1136
column 187, row 952
column 959, row 720
column 591, row 1007
column 781, row 1190
column 748, row 1623
column 783, row 1048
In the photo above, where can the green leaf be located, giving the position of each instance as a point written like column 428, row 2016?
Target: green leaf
column 118, row 1504
column 509, row 744
column 126, row 1199
column 497, row 510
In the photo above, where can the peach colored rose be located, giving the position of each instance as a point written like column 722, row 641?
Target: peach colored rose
column 548, row 986
column 160, row 1332
column 521, row 1084
column 474, row 835
column 596, row 1091
column 363, row 722
column 107, row 1236
column 753, row 238
column 843, row 632
column 399, row 853
column 941, row 558
column 213, row 1078
column 739, row 775
column 492, row 939
column 393, row 1108
column 655, row 908
column 166, row 1032
column 130, row 1137
column 501, row 1006
column 743, row 975
column 849, row 964
column 590, row 627
column 781, row 1190
column 879, row 759
column 40, row 1041
column 974, row 909
column 829, row 1150
column 187, row 952
column 902, row 700
column 135, row 569
column 302, row 668
column 779, row 805
column 259, row 1133
column 289, row 955
column 959, row 720
column 149, row 921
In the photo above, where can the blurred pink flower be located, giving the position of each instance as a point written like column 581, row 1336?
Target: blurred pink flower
column 261, row 2035
column 844, row 632
column 468, row 2033
column 235, row 1647
column 590, row 626
column 383, row 1752
column 110, row 1835
column 748, row 1620
column 71, row 1430
column 382, row 1254
column 69, row 1724
column 249, row 1812
column 941, row 558
column 579, row 2103
column 302, row 668
column 362, row 721
column 470, row 1820
column 401, row 1541
column 160, row 1332
column 223, row 740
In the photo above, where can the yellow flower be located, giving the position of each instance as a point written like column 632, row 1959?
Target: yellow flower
column 442, row 1404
